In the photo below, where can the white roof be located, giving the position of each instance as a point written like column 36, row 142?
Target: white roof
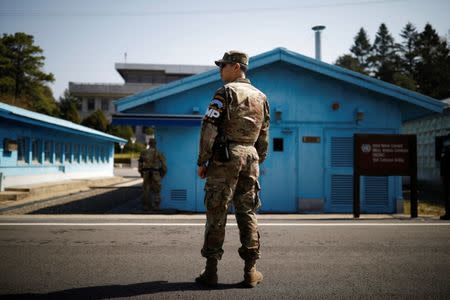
column 170, row 69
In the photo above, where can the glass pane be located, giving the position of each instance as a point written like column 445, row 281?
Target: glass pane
column 35, row 150
column 48, row 151
column 21, row 149
column 67, row 152
column 76, row 153
column 83, row 153
column 58, row 152
column 91, row 104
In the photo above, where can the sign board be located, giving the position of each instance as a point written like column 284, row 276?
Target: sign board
column 311, row 139
column 384, row 155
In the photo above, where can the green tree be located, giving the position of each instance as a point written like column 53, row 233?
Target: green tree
column 349, row 62
column 433, row 65
column 42, row 101
column 68, row 106
column 362, row 49
column 408, row 49
column 122, row 131
column 384, row 60
column 96, row 120
column 22, row 81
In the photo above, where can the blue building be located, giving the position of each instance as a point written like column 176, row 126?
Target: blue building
column 36, row 148
column 315, row 110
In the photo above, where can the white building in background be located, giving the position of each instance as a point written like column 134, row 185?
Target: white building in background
column 137, row 77
column 427, row 129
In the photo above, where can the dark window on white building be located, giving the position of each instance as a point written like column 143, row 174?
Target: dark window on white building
column 105, row 104
column 91, row 104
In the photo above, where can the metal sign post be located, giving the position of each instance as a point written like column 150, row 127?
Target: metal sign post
column 384, row 155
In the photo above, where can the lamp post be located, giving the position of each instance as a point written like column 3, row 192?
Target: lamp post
column 121, row 145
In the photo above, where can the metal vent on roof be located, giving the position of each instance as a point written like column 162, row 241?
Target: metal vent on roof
column 178, row 195
column 341, row 151
column 376, row 190
column 341, row 189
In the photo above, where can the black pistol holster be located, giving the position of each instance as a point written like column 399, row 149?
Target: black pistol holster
column 221, row 151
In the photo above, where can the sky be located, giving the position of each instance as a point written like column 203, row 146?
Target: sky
column 82, row 40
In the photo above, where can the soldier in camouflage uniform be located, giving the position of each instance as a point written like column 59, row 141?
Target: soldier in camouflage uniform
column 152, row 166
column 233, row 142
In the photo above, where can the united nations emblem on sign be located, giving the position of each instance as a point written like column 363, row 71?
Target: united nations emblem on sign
column 366, row 148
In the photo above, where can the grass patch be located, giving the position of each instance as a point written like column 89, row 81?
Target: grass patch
column 425, row 208
column 124, row 158
column 126, row 155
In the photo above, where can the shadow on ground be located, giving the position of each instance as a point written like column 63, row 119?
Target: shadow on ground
column 106, row 200
column 117, row 291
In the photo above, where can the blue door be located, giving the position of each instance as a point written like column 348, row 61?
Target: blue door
column 278, row 174
column 179, row 185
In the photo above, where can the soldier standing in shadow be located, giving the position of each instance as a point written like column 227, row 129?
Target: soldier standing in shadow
column 152, row 167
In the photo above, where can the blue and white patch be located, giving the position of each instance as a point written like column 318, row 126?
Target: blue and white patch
column 212, row 113
column 217, row 102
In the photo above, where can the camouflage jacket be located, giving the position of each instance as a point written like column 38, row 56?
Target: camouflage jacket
column 239, row 112
column 152, row 159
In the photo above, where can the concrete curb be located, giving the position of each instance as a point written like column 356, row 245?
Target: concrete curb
column 201, row 216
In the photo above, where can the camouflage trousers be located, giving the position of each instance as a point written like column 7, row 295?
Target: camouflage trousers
column 235, row 181
column 152, row 189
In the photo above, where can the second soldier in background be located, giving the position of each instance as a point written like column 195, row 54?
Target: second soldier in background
column 233, row 142
column 152, row 167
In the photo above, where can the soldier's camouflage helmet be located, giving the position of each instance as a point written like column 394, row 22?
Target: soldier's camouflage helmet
column 233, row 57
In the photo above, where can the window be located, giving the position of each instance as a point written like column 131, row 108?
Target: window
column 22, row 149
column 35, row 151
column 103, row 154
column 278, row 144
column 78, row 103
column 58, row 152
column 105, row 104
column 48, row 151
column 76, row 153
column 67, row 152
column 107, row 154
column 97, row 154
column 91, row 153
column 83, row 153
column 91, row 104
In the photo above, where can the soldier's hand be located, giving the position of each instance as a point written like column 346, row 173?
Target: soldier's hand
column 201, row 171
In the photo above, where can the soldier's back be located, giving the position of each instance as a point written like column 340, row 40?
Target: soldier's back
column 245, row 112
column 149, row 158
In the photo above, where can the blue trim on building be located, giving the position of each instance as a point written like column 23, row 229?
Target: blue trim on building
column 282, row 54
column 158, row 120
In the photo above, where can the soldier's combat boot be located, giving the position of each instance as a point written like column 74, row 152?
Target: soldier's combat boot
column 251, row 276
column 208, row 276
